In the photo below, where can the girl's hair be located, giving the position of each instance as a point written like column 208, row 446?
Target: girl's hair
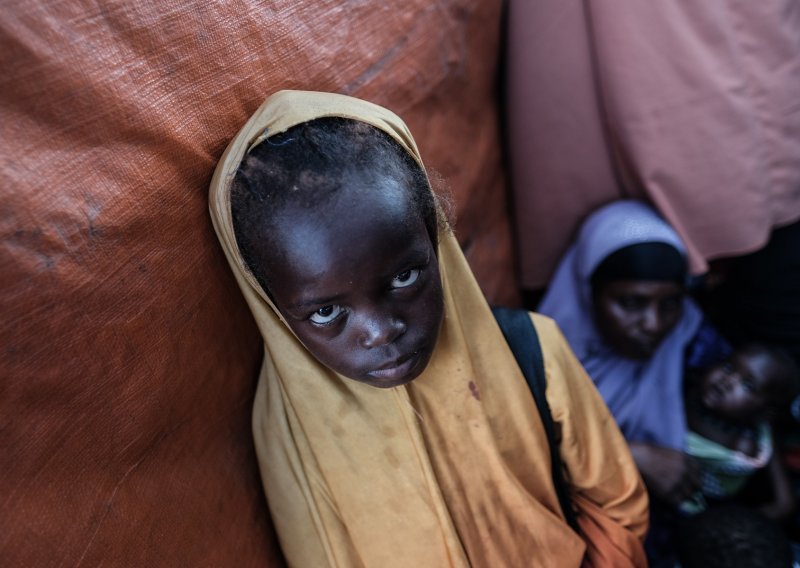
column 306, row 166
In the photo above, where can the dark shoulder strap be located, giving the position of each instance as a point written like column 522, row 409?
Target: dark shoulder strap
column 521, row 337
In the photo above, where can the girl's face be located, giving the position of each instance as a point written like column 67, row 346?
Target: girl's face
column 357, row 279
column 634, row 316
column 741, row 387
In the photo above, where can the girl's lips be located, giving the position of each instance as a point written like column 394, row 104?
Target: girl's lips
column 399, row 371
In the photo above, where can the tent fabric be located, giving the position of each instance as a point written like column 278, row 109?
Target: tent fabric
column 689, row 105
column 129, row 357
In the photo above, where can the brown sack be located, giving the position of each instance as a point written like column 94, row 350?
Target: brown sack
column 129, row 359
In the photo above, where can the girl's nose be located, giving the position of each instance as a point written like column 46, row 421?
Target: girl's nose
column 380, row 329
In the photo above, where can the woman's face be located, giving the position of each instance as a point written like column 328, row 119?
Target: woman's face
column 357, row 279
column 634, row 316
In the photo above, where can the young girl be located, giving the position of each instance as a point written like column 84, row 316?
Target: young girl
column 392, row 424
column 727, row 410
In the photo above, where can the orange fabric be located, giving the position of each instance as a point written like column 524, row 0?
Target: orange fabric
column 606, row 545
column 608, row 497
column 129, row 360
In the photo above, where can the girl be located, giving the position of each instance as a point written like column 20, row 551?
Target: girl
column 392, row 424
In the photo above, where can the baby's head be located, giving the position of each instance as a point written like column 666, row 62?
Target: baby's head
column 338, row 224
column 755, row 379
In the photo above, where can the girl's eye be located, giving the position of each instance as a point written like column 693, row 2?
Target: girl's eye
column 326, row 314
column 405, row 278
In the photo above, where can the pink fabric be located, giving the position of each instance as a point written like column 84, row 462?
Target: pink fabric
column 694, row 106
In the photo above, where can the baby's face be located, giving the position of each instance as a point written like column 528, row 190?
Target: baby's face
column 740, row 388
column 357, row 280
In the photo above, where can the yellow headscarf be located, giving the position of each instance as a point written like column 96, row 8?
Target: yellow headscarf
column 449, row 470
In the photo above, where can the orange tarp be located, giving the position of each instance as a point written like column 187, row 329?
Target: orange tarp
column 129, row 359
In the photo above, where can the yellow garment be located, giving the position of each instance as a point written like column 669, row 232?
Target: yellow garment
column 452, row 469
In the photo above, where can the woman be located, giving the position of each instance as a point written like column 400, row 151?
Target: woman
column 619, row 296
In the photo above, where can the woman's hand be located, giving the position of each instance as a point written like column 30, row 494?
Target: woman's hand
column 670, row 475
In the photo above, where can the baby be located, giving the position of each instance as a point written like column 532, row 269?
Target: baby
column 728, row 409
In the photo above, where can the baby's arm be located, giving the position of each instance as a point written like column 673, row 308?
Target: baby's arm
column 783, row 502
column 599, row 465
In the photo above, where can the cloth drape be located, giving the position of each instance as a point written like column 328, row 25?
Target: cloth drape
column 645, row 397
column 449, row 470
column 691, row 106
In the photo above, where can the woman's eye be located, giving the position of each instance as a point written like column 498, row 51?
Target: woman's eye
column 405, row 278
column 630, row 303
column 326, row 314
column 672, row 304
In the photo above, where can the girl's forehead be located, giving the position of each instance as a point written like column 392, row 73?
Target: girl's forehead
column 356, row 213
column 351, row 248
column 356, row 201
